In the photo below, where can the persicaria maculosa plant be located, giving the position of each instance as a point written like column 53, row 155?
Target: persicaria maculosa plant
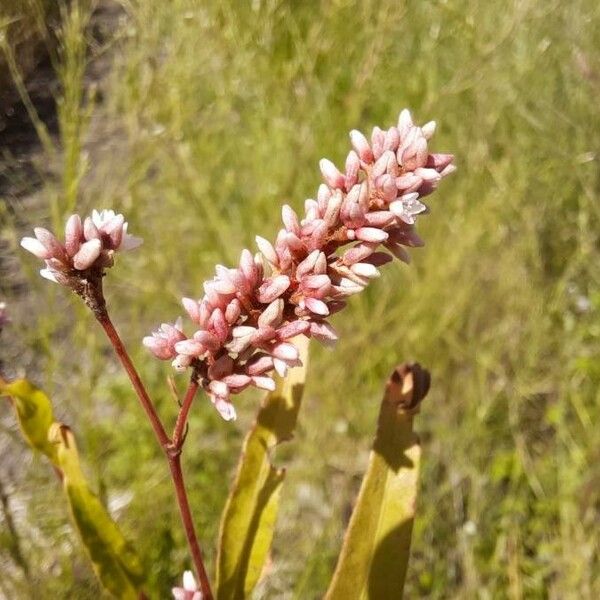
column 243, row 328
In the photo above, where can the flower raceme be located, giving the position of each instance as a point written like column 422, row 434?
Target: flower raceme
column 245, row 321
column 90, row 244
column 248, row 315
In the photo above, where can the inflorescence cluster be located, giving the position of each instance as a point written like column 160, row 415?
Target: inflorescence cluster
column 248, row 315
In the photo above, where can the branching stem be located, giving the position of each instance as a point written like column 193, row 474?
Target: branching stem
column 171, row 448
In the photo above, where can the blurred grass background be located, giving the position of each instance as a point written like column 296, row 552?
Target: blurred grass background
column 207, row 117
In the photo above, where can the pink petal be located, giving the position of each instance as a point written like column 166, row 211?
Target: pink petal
column 316, row 306
column 73, row 234
column 264, row 383
column 259, row 364
column 323, row 332
column 331, row 174
column 371, row 234
column 272, row 288
column 439, row 161
column 87, row 254
column 292, row 329
column 192, row 309
column 267, row 250
column 36, row 247
column 285, row 351
column 428, row 129
column 365, row 270
column 206, row 339
column 272, row 314
column 290, row 219
column 237, row 380
column 361, row 145
column 190, row 348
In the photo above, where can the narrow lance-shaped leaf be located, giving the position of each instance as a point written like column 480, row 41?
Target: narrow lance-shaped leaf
column 114, row 560
column 374, row 556
column 250, row 513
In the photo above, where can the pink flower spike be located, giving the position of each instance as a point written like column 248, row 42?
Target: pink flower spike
column 331, row 174
column 87, row 254
column 371, row 234
column 36, row 247
column 308, row 272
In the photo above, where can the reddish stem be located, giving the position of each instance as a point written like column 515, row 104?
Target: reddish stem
column 182, row 417
column 172, row 449
column 140, row 390
column 188, row 525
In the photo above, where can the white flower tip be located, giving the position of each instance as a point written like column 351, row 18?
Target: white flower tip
column 429, row 129
column 189, row 582
column 49, row 275
column 36, row 247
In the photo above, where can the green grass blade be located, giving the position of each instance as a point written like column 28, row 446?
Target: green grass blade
column 249, row 517
column 374, row 556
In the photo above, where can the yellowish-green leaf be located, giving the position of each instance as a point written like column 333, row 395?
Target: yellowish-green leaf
column 34, row 413
column 114, row 560
column 374, row 557
column 249, row 517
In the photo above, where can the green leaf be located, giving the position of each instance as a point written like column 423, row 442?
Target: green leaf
column 34, row 413
column 374, row 555
column 249, row 517
column 114, row 560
